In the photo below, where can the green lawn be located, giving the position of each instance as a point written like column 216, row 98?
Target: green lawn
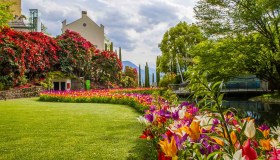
column 30, row 129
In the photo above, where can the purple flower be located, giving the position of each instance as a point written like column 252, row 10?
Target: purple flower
column 149, row 117
column 175, row 115
column 180, row 140
column 184, row 104
column 264, row 127
column 152, row 108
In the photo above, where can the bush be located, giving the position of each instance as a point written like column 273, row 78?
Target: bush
column 169, row 78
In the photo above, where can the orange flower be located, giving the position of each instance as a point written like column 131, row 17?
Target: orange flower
column 169, row 149
column 218, row 140
column 193, row 131
column 233, row 137
column 265, row 144
column 265, row 133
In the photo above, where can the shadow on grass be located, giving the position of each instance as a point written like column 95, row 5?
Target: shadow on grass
column 143, row 150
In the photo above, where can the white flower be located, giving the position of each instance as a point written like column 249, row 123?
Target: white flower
column 276, row 130
column 206, row 121
column 275, row 143
column 237, row 156
column 143, row 120
column 250, row 129
column 182, row 112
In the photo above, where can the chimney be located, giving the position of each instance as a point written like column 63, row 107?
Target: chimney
column 84, row 13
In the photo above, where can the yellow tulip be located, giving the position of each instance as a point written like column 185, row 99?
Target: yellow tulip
column 169, row 149
column 265, row 144
column 193, row 131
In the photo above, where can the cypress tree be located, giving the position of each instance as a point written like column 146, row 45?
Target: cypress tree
column 139, row 76
column 147, row 77
column 120, row 53
column 157, row 70
column 153, row 78
column 111, row 47
column 106, row 46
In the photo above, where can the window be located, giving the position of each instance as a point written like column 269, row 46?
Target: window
column 84, row 24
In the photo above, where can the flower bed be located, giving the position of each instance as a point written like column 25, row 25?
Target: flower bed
column 185, row 131
column 139, row 101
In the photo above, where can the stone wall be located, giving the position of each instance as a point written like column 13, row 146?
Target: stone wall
column 20, row 93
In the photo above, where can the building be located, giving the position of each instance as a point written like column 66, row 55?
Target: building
column 88, row 29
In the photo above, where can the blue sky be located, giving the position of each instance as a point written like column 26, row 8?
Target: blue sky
column 135, row 25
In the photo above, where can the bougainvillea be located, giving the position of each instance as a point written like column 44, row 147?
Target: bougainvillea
column 30, row 54
column 105, row 67
column 25, row 56
column 75, row 54
column 130, row 77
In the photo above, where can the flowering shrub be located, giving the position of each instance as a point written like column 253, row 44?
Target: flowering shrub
column 30, row 54
column 105, row 67
column 130, row 77
column 75, row 55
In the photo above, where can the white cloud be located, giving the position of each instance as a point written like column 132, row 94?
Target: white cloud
column 136, row 26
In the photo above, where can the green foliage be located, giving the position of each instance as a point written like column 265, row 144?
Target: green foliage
column 139, row 77
column 171, row 97
column 2, row 86
column 175, row 45
column 120, row 53
column 5, row 13
column 147, row 76
column 157, row 70
column 168, row 78
column 256, row 20
column 111, row 47
column 222, row 59
column 48, row 84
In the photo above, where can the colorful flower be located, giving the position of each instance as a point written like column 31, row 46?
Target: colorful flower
column 169, row 148
column 250, row 129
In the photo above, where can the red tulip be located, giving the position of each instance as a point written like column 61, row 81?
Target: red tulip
column 248, row 151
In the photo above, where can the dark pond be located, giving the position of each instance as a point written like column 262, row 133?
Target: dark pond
column 261, row 112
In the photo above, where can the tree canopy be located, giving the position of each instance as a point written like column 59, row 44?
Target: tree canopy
column 256, row 22
column 5, row 13
column 176, row 44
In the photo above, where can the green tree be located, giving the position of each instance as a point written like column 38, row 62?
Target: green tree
column 153, row 78
column 139, row 77
column 233, row 17
column 5, row 13
column 111, row 47
column 157, row 70
column 175, row 46
column 222, row 58
column 168, row 78
column 120, row 53
column 147, row 76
